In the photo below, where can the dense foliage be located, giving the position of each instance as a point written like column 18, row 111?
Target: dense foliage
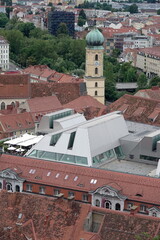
column 30, row 46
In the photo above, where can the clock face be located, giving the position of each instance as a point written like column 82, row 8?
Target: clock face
column 96, row 63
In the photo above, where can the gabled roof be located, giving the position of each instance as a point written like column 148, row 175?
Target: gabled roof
column 15, row 122
column 87, row 105
column 130, row 184
column 152, row 93
column 139, row 109
column 44, row 104
column 65, row 92
column 14, row 86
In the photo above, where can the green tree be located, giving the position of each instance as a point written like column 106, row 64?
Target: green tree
column 3, row 20
column 131, row 75
column 81, row 22
column 62, row 29
column 155, row 81
column 133, row 8
column 25, row 28
column 142, row 81
column 158, row 12
column 82, row 14
column 110, row 91
column 16, row 40
column 8, row 10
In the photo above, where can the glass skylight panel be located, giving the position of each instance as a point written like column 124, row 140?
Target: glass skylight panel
column 48, row 174
column 57, row 175
column 32, row 171
column 95, row 181
column 92, row 181
column 75, row 179
column 66, row 177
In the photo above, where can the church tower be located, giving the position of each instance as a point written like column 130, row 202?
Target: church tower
column 94, row 65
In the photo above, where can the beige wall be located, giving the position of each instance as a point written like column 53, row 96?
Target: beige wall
column 95, row 82
column 91, row 63
column 148, row 64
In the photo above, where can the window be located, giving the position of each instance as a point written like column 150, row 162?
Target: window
column 143, row 208
column 2, row 106
column 70, row 194
column 129, row 205
column 97, row 203
column 42, row 190
column 17, row 188
column 96, row 70
column 71, row 140
column 0, row 185
column 56, row 192
column 54, row 139
column 85, row 197
column 96, row 57
column 96, row 93
column 29, row 188
column 154, row 214
column 118, row 207
column 96, row 84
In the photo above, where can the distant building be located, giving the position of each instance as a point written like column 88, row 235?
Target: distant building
column 138, row 42
column 4, row 54
column 57, row 17
column 148, row 60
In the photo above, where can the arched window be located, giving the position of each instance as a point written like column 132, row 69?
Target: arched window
column 0, row 185
column 17, row 188
column 97, row 203
column 9, row 187
column 96, row 93
column 118, row 207
column 3, row 105
column 96, row 57
column 154, row 214
column 108, row 204
column 96, row 70
column 13, row 104
column 96, row 84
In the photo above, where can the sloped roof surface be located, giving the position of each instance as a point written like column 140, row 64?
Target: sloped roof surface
column 139, row 109
column 14, row 86
column 130, row 184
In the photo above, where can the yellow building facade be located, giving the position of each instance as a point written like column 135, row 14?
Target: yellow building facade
column 94, row 65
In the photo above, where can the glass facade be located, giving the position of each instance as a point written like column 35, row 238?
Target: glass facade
column 112, row 153
column 58, row 157
column 57, row 116
column 103, row 157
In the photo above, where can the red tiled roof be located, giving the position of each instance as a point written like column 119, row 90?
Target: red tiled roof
column 145, row 107
column 154, row 51
column 130, row 184
column 26, row 216
column 15, row 122
column 41, row 218
column 44, row 104
column 14, row 86
column 153, row 93
column 87, row 105
column 65, row 92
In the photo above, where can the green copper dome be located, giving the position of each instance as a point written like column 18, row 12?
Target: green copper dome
column 95, row 38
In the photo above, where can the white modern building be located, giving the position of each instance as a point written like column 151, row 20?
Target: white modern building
column 4, row 54
column 77, row 141
column 138, row 41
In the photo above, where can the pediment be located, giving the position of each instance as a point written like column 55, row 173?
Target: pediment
column 107, row 190
column 10, row 174
column 154, row 209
